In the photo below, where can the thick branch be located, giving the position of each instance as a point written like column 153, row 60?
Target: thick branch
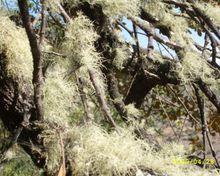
column 16, row 108
column 145, row 26
column 146, row 80
column 209, row 94
column 115, row 94
column 101, row 98
column 36, row 53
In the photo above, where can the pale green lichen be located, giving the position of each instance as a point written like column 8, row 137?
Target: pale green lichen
column 194, row 66
column 168, row 17
column 14, row 45
column 119, row 7
column 59, row 96
column 131, row 110
column 112, row 8
column 93, row 151
column 210, row 10
column 155, row 7
column 79, row 46
column 122, row 54
column 79, row 43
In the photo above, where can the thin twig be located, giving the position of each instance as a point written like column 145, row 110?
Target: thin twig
column 136, row 40
column 43, row 21
column 179, row 136
column 165, row 112
column 101, row 98
column 201, row 107
column 205, row 131
column 80, row 86
column 183, row 104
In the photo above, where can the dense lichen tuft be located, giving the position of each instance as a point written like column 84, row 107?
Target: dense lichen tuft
column 79, row 46
column 94, row 151
column 111, row 8
column 193, row 67
column 14, row 45
column 59, row 96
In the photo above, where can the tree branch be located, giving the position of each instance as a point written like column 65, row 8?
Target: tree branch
column 101, row 98
column 209, row 94
column 37, row 58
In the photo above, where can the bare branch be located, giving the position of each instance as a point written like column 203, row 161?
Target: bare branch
column 36, row 53
column 43, row 21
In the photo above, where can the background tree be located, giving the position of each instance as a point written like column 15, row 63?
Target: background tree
column 79, row 98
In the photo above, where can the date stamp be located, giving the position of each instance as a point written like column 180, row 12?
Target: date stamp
column 195, row 161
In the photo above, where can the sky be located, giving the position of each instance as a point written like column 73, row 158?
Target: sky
column 143, row 40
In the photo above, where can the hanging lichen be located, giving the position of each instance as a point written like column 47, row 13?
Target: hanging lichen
column 111, row 8
column 79, row 46
column 211, row 10
column 94, row 151
column 14, row 45
column 193, row 66
column 59, row 97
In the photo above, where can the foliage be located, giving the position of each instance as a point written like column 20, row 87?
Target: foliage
column 19, row 164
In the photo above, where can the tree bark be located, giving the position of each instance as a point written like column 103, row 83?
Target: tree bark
column 14, row 106
column 37, row 58
column 209, row 94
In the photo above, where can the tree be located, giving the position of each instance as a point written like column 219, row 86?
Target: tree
column 63, row 63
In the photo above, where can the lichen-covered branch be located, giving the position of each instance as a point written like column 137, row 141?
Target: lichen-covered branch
column 101, row 98
column 209, row 94
column 145, row 26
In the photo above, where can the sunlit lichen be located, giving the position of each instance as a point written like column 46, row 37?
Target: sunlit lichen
column 79, row 46
column 59, row 96
column 113, row 8
column 92, row 150
column 211, row 10
column 14, row 46
column 194, row 67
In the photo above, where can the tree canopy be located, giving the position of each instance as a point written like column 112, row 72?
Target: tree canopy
column 89, row 87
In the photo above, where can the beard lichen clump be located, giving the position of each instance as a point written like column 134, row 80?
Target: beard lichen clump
column 59, row 97
column 14, row 45
column 211, row 10
column 101, row 153
column 91, row 150
column 169, row 19
column 79, row 43
column 79, row 46
column 121, row 56
column 194, row 67
column 112, row 8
